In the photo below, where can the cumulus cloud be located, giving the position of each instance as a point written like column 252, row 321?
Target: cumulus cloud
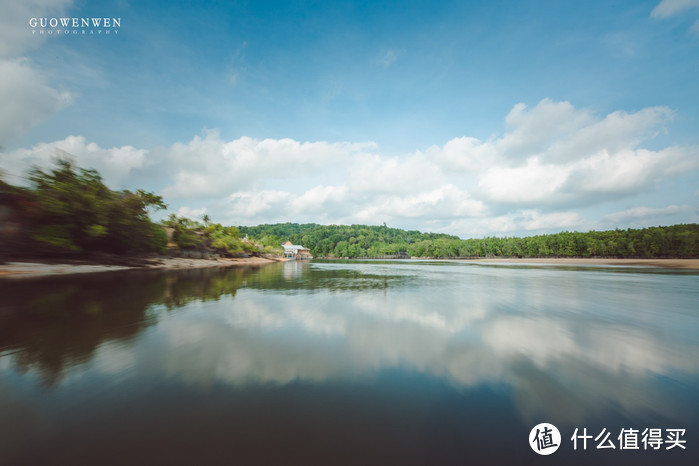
column 376, row 174
column 259, row 205
column 554, row 155
column 320, row 200
column 464, row 155
column 600, row 176
column 551, row 161
column 209, row 166
column 114, row 164
column 444, row 202
column 530, row 183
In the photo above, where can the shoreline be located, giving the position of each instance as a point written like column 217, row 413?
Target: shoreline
column 692, row 264
column 32, row 269
column 687, row 264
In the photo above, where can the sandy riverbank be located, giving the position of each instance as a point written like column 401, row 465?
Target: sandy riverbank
column 38, row 269
column 669, row 263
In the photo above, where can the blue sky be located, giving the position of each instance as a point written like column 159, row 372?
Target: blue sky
column 472, row 118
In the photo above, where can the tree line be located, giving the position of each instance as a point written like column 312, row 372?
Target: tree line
column 69, row 211
column 356, row 241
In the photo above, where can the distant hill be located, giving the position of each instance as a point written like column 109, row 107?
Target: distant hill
column 355, row 241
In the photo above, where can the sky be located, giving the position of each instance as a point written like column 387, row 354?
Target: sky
column 473, row 118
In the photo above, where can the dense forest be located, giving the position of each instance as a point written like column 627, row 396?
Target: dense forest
column 355, row 241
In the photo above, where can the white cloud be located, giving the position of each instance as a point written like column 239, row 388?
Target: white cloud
column 616, row 132
column 27, row 99
column 343, row 204
column 629, row 170
column 465, row 342
column 645, row 215
column 603, row 175
column 209, row 166
column 557, row 155
column 532, row 220
column 375, row 174
column 533, row 182
column 464, row 155
column 444, row 202
column 547, row 137
column 668, row 8
column 533, row 131
column 551, row 160
column 528, row 221
column 114, row 164
column 557, row 132
column 190, row 213
column 258, row 205
column 25, row 92
column 320, row 200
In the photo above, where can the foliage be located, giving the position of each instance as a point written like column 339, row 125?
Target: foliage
column 380, row 241
column 190, row 234
column 186, row 231
column 69, row 210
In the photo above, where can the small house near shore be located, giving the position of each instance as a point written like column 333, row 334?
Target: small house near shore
column 295, row 251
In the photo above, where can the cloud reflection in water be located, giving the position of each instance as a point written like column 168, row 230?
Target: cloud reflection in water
column 528, row 329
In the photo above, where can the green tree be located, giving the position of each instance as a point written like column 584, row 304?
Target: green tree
column 77, row 212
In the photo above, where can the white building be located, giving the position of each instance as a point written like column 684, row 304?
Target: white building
column 296, row 251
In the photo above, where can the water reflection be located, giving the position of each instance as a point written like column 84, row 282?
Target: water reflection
column 571, row 346
column 54, row 324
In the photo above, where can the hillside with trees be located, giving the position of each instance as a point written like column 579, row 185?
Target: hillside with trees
column 344, row 240
column 355, row 241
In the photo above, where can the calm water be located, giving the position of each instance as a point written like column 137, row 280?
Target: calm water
column 347, row 363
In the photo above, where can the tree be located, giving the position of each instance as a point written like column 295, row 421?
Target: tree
column 77, row 212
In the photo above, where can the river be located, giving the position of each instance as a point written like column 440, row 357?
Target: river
column 374, row 362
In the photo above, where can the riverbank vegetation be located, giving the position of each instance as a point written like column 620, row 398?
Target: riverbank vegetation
column 354, row 241
column 188, row 234
column 69, row 211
